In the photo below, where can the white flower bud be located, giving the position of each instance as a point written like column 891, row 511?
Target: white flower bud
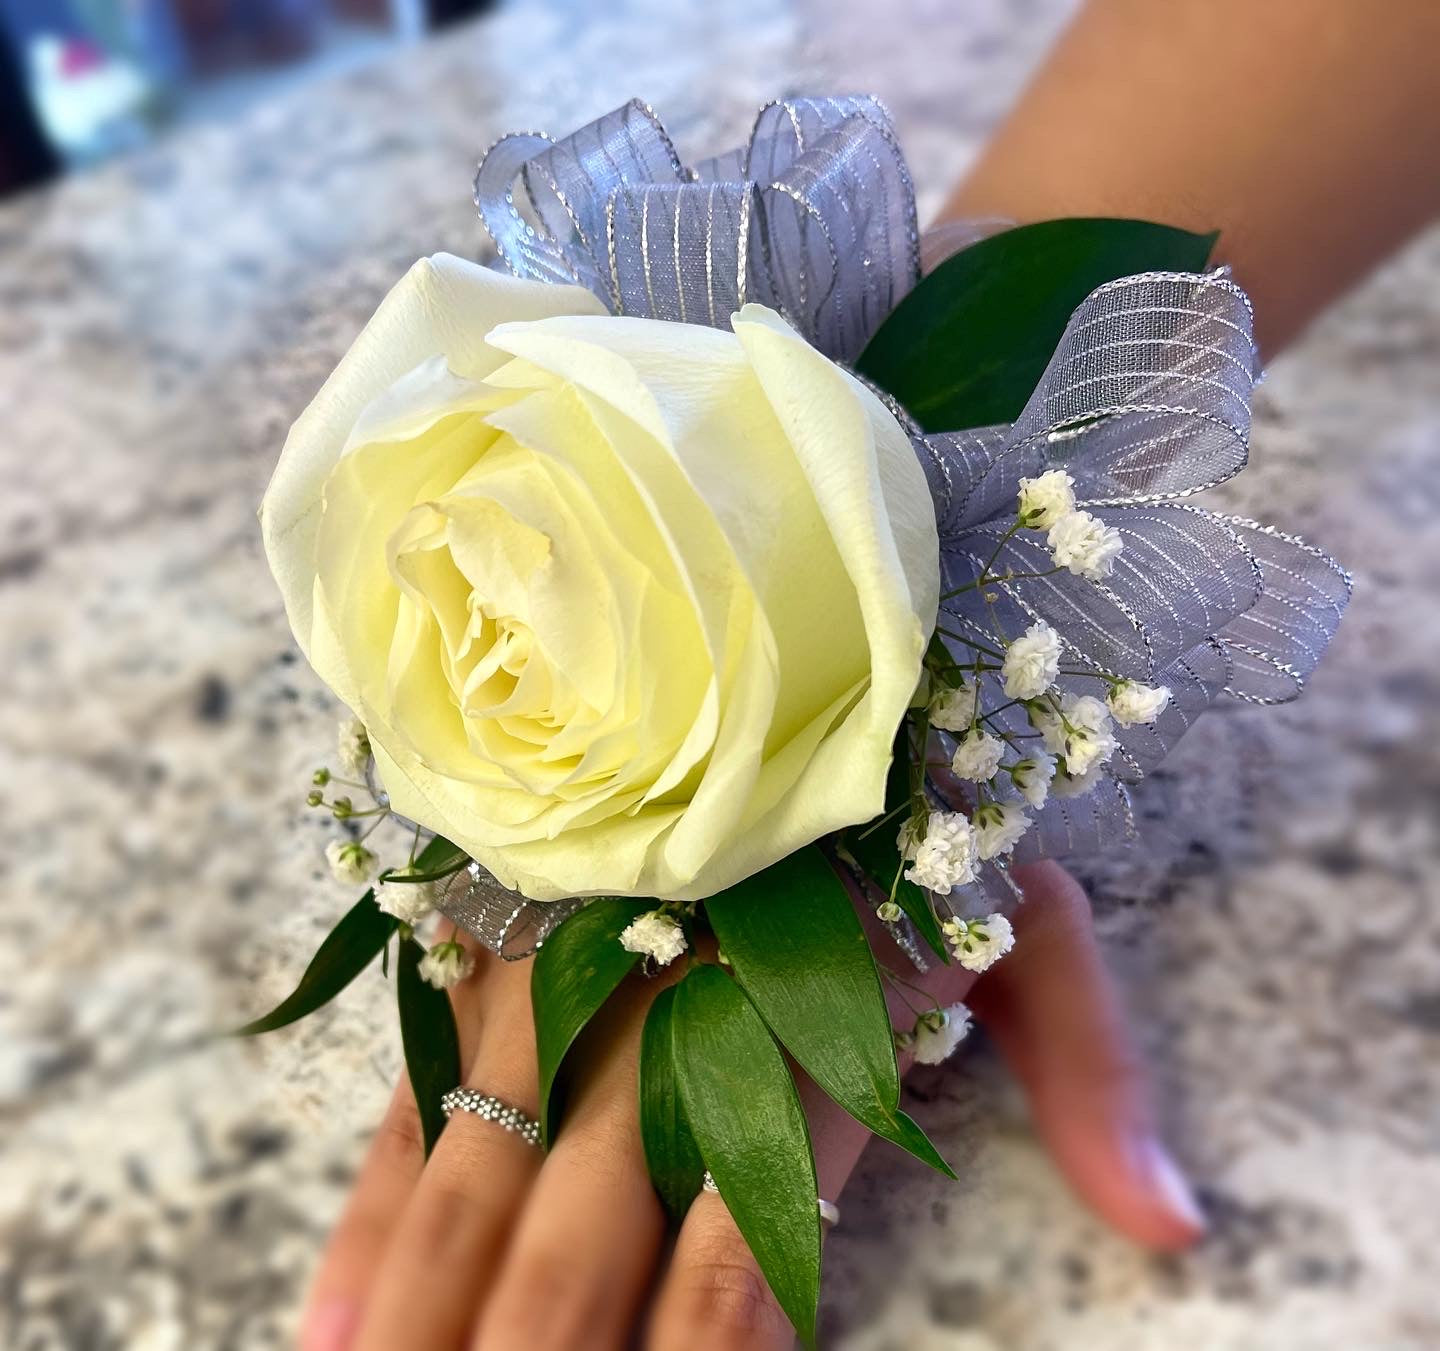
column 888, row 912
column 409, row 902
column 350, row 862
column 446, row 964
column 953, row 709
column 977, row 756
column 1032, row 662
column 908, row 841
column 1032, row 777
column 353, row 747
column 1085, row 545
column 999, row 827
column 938, row 1032
column 1131, row 702
column 655, row 935
column 979, row 943
column 1080, row 733
column 1068, row 785
column 1044, row 500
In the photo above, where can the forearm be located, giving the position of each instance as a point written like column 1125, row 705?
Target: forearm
column 1305, row 132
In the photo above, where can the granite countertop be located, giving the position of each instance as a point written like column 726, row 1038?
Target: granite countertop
column 163, row 319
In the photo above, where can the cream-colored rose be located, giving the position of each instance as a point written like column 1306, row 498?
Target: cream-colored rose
column 627, row 607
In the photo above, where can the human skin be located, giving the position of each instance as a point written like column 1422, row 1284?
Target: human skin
column 1305, row 131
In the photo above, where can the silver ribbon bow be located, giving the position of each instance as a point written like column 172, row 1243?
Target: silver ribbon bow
column 1145, row 403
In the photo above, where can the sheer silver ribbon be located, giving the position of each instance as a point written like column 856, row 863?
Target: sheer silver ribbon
column 1146, row 402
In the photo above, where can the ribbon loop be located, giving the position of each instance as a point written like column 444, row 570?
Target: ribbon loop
column 1145, row 402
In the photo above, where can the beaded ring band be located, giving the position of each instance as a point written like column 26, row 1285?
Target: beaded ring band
column 490, row 1108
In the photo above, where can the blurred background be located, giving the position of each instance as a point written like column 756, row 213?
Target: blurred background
column 201, row 201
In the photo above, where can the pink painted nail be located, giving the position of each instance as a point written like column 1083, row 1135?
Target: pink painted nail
column 1170, row 1185
column 331, row 1326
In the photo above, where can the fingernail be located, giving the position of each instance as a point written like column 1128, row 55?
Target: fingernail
column 1171, row 1186
column 331, row 1326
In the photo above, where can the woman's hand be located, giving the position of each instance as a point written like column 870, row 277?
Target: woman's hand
column 492, row 1245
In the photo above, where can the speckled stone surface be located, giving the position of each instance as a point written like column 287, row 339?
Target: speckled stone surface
column 163, row 319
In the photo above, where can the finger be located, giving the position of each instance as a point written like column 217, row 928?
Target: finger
column 579, row 1265
column 1055, row 1014
column 714, row 1297
column 449, row 1241
column 386, row 1179
column 382, row 1188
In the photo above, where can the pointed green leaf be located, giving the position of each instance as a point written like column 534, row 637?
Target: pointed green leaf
column 968, row 345
column 430, row 1039
column 348, row 949
column 795, row 943
column 747, row 1119
column 437, row 861
column 670, row 1150
column 876, row 848
column 575, row 972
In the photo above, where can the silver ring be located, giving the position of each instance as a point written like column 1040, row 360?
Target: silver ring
column 489, row 1108
column 829, row 1211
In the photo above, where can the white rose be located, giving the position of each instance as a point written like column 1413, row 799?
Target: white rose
column 1085, row 544
column 1031, row 662
column 1044, row 500
column 1130, row 702
column 627, row 607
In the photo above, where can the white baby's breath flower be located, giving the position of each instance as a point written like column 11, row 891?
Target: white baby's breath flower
column 350, row 862
column 1131, row 702
column 446, row 964
column 938, row 1032
column 912, row 832
column 998, row 828
column 979, row 943
column 1074, row 785
column 1085, row 545
column 952, row 709
column 1032, row 777
column 353, row 746
column 1044, row 500
column 409, row 902
column 887, row 912
column 1089, row 739
column 1032, row 662
column 977, row 756
column 946, row 857
column 655, row 935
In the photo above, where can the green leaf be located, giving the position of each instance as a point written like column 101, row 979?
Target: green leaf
column 575, row 972
column 347, row 950
column 877, row 851
column 968, row 345
column 430, row 1039
column 747, row 1119
column 671, row 1154
column 796, row 945
column 437, row 861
